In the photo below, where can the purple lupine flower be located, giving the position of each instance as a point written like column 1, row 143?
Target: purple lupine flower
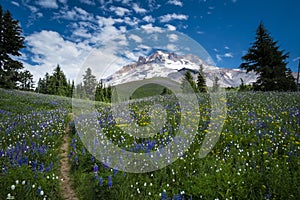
column 101, row 181
column 115, row 170
column 83, row 151
column 164, row 196
column 95, row 169
column 109, row 181
column 41, row 167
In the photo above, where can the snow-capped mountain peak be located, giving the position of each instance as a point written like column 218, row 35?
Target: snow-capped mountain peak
column 173, row 66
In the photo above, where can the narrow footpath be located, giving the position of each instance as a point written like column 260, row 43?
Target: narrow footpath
column 67, row 191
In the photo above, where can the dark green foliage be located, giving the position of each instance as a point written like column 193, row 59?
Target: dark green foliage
column 201, row 82
column 166, row 91
column 290, row 84
column 103, row 93
column 89, row 84
column 188, row 83
column 26, row 80
column 265, row 58
column 243, row 87
column 56, row 84
column 11, row 42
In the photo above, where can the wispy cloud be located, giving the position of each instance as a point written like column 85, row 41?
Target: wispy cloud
column 225, row 55
column 136, row 38
column 75, row 14
column 47, row 3
column 88, row 2
column 15, row 3
column 120, row 11
column 170, row 27
column 149, row 28
column 173, row 37
column 175, row 2
column 149, row 19
column 169, row 17
column 138, row 9
column 228, row 55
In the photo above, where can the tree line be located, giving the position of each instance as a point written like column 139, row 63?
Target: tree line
column 264, row 57
column 89, row 88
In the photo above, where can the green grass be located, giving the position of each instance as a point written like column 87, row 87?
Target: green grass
column 31, row 130
column 256, row 156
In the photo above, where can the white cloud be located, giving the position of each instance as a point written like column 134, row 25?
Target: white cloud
column 149, row 19
column 228, row 55
column 107, row 30
column 171, row 47
column 82, row 33
column 226, row 47
column 63, row 1
column 131, row 21
column 126, row 2
column 149, row 28
column 175, row 2
column 138, row 9
column 49, row 49
column 88, row 2
column 75, row 14
column 219, row 57
column 234, row 1
column 170, row 27
column 47, row 3
column 135, row 38
column 120, row 11
column 173, row 37
column 169, row 17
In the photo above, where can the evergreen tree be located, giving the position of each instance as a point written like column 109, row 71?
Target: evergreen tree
column 201, row 82
column 188, row 83
column 26, row 80
column 11, row 42
column 290, row 84
column 242, row 87
column 166, row 91
column 99, row 94
column 89, row 84
column 109, row 93
column 58, row 84
column 71, row 89
column 216, row 84
column 79, row 91
column 265, row 58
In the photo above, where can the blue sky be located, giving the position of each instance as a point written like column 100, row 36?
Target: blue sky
column 65, row 31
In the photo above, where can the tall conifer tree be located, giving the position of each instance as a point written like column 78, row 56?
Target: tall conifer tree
column 265, row 58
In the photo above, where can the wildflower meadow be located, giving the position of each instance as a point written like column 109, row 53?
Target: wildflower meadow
column 255, row 157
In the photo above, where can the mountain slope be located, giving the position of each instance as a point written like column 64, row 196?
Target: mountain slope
column 173, row 66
